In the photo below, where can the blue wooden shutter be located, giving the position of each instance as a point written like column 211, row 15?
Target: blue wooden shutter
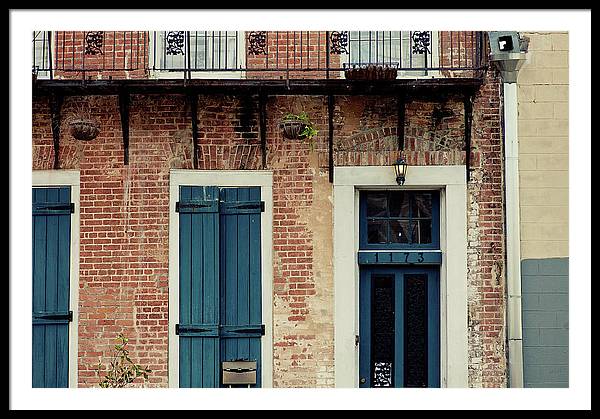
column 240, row 275
column 220, row 287
column 199, row 287
column 51, row 233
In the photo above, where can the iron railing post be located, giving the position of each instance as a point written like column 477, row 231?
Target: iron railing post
column 188, row 70
column 50, row 55
column 327, row 49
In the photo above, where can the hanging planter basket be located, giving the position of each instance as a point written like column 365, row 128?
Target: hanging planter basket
column 84, row 129
column 292, row 129
column 372, row 72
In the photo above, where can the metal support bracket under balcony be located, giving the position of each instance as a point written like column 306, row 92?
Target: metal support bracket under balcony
column 56, row 101
column 124, row 111
column 468, row 105
column 401, row 118
column 262, row 116
column 193, row 100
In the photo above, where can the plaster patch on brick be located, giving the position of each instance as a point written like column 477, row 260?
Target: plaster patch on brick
column 318, row 219
column 179, row 151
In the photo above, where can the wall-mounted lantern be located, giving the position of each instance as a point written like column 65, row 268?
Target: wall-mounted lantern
column 400, row 168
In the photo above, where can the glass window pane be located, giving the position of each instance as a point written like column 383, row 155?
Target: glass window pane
column 377, row 205
column 354, row 52
column 421, row 231
column 231, row 50
column 377, row 231
column 399, row 230
column 421, row 205
column 399, row 204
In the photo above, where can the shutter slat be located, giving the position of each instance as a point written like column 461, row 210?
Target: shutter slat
column 243, row 277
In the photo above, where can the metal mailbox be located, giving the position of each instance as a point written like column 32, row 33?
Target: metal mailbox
column 239, row 372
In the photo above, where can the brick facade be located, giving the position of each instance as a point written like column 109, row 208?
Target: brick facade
column 123, row 276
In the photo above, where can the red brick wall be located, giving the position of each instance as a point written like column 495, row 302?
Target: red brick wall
column 123, row 55
column 296, row 54
column 486, row 252
column 459, row 49
column 124, row 214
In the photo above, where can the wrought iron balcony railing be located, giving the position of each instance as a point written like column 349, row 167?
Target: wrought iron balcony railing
column 258, row 54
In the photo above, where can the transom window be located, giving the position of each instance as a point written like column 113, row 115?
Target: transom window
column 399, row 219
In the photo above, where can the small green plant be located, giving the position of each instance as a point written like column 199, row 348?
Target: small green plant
column 121, row 370
column 309, row 130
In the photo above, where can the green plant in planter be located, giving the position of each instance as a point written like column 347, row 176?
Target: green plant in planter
column 307, row 130
column 121, row 370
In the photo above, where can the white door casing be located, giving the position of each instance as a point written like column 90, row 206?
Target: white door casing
column 225, row 178
column 451, row 182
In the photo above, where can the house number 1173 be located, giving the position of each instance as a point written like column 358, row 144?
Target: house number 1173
column 415, row 257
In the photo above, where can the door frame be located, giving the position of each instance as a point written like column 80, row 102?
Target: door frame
column 451, row 182
column 225, row 178
column 53, row 178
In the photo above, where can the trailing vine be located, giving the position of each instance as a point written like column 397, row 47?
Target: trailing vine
column 121, row 370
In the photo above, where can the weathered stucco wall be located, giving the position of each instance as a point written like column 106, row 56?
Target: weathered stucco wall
column 543, row 94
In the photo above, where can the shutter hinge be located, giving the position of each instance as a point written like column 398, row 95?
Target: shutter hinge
column 262, row 209
column 54, row 207
column 49, row 316
column 262, row 328
column 356, row 340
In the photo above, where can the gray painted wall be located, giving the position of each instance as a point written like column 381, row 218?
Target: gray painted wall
column 545, row 302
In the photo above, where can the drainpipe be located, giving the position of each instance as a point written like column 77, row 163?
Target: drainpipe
column 509, row 64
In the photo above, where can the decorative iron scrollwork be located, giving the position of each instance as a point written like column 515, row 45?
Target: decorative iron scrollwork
column 382, row 374
column 415, row 325
column 257, row 42
column 382, row 330
column 94, row 42
column 339, row 42
column 421, row 41
column 175, row 43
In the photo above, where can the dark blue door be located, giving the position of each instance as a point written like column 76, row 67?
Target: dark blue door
column 220, row 281
column 51, row 234
column 399, row 326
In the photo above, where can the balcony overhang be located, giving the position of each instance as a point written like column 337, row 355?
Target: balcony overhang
column 402, row 89
column 413, row 87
